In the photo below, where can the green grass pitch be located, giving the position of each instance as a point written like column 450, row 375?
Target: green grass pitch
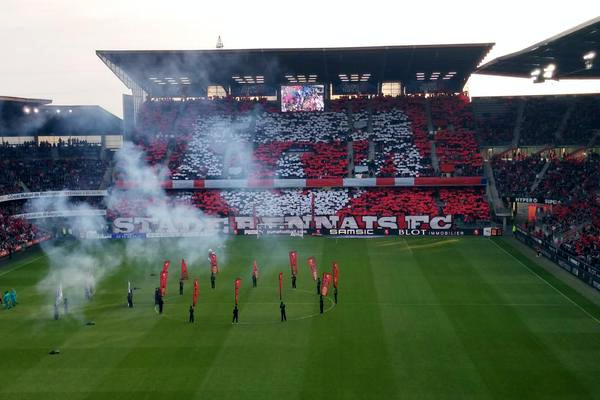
column 422, row 318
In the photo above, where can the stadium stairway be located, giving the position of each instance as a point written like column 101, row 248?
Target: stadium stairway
column 435, row 162
column 107, row 178
column 428, row 115
column 540, row 176
column 226, row 161
column 593, row 139
column 23, row 186
column 518, row 123
column 492, row 192
column 558, row 135
column 350, row 159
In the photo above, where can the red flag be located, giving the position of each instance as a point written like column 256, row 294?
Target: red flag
column 280, row 284
column 254, row 269
column 294, row 262
column 336, row 272
column 312, row 264
column 163, row 282
column 214, row 267
column 195, row 296
column 184, row 271
column 238, row 283
column 325, row 283
column 166, row 266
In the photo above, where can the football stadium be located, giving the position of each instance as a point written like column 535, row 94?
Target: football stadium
column 306, row 223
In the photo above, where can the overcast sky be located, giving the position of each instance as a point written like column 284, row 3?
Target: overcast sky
column 48, row 47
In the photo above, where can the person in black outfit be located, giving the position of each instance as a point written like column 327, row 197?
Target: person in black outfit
column 130, row 299
column 160, row 305
column 293, row 281
column 66, row 305
column 55, row 311
column 282, row 308
column 253, row 280
column 156, row 296
column 212, row 279
column 335, row 294
column 191, row 314
column 318, row 285
column 321, row 303
column 181, row 288
column 235, row 314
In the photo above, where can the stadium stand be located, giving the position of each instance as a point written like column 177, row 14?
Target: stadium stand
column 516, row 177
column 583, row 121
column 575, row 223
column 203, row 134
column 74, row 167
column 468, row 204
column 495, row 119
column 16, row 233
column 542, row 119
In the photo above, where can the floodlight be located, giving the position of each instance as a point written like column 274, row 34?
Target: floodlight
column 588, row 59
column 549, row 71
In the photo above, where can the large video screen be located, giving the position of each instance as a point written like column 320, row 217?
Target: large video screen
column 302, row 98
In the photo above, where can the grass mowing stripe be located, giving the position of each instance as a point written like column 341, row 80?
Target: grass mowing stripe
column 535, row 270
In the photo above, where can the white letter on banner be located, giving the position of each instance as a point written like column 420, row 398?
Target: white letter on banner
column 144, row 224
column 444, row 222
column 294, row 223
column 326, row 222
column 368, row 220
column 387, row 222
column 414, row 221
column 123, row 225
column 349, row 222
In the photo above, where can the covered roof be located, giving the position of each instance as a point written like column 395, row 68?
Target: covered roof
column 34, row 120
column 22, row 101
column 565, row 50
column 172, row 72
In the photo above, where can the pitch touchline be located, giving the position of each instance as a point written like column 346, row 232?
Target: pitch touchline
column 547, row 283
column 464, row 304
column 20, row 266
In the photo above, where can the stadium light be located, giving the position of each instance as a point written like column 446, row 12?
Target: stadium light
column 549, row 71
column 58, row 110
column 536, row 75
column 26, row 110
column 70, row 110
column 588, row 59
column 35, row 110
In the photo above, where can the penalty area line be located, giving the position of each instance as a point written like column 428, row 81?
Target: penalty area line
column 547, row 283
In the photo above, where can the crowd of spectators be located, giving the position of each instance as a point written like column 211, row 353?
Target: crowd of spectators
column 48, row 174
column 467, row 204
column 515, row 177
column 541, row 119
column 16, row 233
column 583, row 122
column 29, row 166
column 495, row 119
column 574, row 224
column 396, row 127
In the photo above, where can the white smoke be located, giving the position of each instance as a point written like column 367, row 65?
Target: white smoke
column 81, row 262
